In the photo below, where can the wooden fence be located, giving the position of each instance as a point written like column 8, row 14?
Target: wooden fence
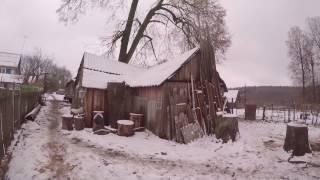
column 308, row 114
column 14, row 105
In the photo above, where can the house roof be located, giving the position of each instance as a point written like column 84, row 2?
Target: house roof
column 11, row 78
column 9, row 59
column 156, row 75
column 99, row 70
column 231, row 95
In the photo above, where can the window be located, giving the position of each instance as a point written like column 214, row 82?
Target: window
column 9, row 71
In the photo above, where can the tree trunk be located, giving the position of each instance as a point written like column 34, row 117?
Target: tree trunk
column 303, row 81
column 127, row 32
column 125, row 128
column 297, row 139
column 313, row 82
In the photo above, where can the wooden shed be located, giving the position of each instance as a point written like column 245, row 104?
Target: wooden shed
column 154, row 92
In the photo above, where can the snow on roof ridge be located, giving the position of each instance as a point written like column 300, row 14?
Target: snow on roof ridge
column 9, row 59
column 98, row 71
column 3, row 52
column 157, row 74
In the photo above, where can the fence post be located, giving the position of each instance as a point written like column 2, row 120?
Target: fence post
column 2, row 138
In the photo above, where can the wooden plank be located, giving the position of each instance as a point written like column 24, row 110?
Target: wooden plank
column 191, row 132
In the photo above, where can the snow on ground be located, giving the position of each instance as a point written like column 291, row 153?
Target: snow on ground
column 54, row 96
column 282, row 115
column 44, row 151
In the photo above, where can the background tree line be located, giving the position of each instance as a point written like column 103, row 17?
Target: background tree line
column 40, row 70
column 304, row 51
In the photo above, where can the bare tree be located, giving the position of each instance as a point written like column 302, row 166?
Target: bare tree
column 35, row 67
column 299, row 51
column 314, row 28
column 314, row 33
column 187, row 20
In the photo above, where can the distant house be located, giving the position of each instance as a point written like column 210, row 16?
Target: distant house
column 10, row 69
column 119, row 89
column 232, row 96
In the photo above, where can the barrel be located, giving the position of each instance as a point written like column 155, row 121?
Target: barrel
column 67, row 122
column 137, row 119
column 79, row 123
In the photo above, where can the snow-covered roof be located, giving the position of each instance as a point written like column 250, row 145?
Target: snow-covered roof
column 231, row 95
column 11, row 78
column 157, row 74
column 9, row 59
column 99, row 70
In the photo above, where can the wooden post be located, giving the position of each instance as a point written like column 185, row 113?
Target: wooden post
column 264, row 113
column 125, row 128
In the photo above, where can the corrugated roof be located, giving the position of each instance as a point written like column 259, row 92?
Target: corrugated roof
column 9, row 59
column 99, row 70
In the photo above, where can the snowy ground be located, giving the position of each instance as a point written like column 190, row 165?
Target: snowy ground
column 43, row 151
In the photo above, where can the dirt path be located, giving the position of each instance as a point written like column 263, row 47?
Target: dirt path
column 58, row 144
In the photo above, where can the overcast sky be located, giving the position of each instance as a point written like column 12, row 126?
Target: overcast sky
column 258, row 55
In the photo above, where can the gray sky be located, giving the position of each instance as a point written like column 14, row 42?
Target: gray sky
column 258, row 55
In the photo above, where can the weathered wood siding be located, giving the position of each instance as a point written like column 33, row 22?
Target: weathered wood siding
column 184, row 73
column 149, row 101
column 94, row 101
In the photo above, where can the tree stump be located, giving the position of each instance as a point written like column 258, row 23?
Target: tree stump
column 250, row 112
column 98, row 120
column 79, row 123
column 137, row 120
column 297, row 139
column 227, row 128
column 67, row 122
column 125, row 128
